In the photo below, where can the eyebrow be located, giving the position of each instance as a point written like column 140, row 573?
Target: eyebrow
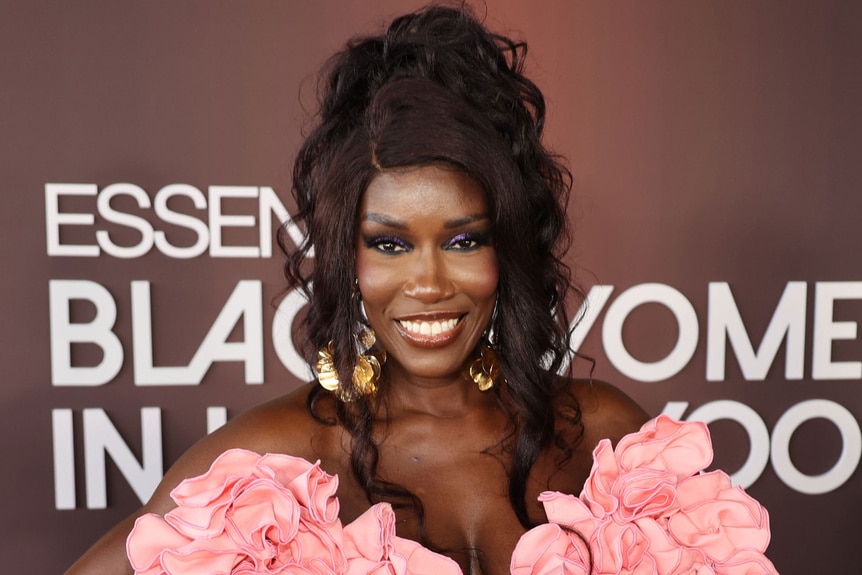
column 391, row 222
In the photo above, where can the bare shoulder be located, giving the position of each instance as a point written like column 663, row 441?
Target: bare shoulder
column 606, row 411
column 283, row 425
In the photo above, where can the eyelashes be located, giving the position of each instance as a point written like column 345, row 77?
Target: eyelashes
column 389, row 244
column 386, row 244
column 468, row 241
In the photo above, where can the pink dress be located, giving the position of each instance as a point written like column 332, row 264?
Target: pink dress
column 646, row 508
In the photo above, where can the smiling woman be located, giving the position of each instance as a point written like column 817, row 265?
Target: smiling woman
column 430, row 141
column 437, row 325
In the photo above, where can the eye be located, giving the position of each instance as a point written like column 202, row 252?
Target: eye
column 386, row 244
column 467, row 241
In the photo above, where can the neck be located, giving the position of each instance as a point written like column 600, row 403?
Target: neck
column 438, row 397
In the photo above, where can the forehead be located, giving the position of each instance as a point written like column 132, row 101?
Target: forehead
column 425, row 190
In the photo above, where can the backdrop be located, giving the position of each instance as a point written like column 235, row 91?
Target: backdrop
column 146, row 153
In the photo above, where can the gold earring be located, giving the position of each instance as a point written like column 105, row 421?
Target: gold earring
column 485, row 369
column 366, row 372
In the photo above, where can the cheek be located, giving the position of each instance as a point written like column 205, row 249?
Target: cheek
column 481, row 276
column 376, row 281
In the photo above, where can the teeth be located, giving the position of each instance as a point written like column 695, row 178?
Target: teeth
column 429, row 327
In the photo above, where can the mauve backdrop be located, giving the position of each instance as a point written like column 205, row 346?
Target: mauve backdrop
column 714, row 147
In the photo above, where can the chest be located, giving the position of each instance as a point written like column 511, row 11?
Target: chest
column 460, row 475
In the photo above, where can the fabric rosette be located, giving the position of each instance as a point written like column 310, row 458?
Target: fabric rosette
column 254, row 514
column 249, row 514
column 647, row 509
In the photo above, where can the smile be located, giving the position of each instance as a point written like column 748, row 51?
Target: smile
column 433, row 332
column 431, row 328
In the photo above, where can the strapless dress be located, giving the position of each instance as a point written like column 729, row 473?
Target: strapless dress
column 646, row 508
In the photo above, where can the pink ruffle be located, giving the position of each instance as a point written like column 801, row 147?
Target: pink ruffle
column 249, row 514
column 645, row 509
column 372, row 548
column 259, row 515
column 550, row 549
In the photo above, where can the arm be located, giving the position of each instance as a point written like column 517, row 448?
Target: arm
column 280, row 426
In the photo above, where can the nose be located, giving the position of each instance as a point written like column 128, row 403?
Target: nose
column 428, row 279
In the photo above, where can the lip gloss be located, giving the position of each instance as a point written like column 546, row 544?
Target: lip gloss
column 429, row 340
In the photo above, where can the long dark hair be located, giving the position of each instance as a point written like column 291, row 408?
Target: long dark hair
column 437, row 87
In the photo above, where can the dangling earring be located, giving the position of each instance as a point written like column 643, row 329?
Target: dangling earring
column 366, row 372
column 485, row 369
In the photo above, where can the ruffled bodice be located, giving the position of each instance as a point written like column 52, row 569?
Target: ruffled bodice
column 646, row 508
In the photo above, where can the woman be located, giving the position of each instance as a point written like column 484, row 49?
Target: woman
column 437, row 222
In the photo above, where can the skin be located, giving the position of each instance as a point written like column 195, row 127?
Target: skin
column 424, row 253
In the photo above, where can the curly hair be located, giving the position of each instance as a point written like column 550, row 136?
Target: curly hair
column 437, row 87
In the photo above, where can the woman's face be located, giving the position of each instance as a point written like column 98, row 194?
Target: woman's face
column 426, row 267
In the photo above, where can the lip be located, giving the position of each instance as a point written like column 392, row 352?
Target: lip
column 429, row 341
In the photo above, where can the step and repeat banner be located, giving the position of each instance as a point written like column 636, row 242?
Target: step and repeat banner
column 147, row 150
